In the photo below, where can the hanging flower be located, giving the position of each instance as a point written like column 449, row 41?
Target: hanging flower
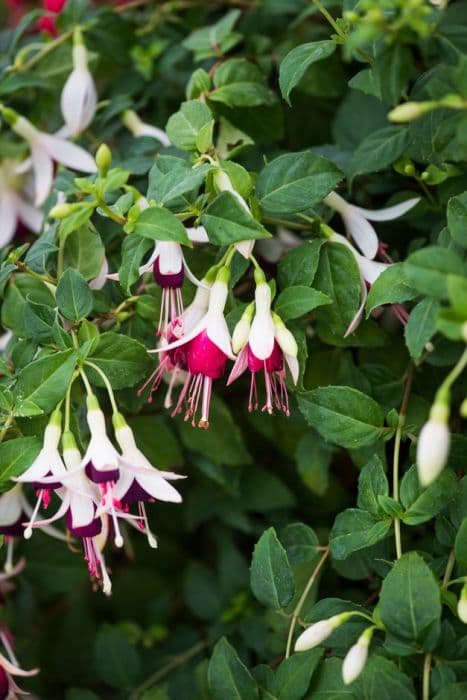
column 44, row 150
column 139, row 128
column 172, row 363
column 356, row 657
column 139, row 481
column 9, row 667
column 369, row 270
column 433, row 444
column 79, row 98
column 207, row 348
column 264, row 346
column 356, row 220
column 14, row 205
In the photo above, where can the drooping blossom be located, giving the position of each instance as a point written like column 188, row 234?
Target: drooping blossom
column 79, row 98
column 9, row 668
column 172, row 363
column 15, row 206
column 318, row 632
column 45, row 149
column 139, row 128
column 265, row 346
column 356, row 220
column 207, row 348
column 433, row 444
column 356, row 658
column 139, row 481
column 369, row 270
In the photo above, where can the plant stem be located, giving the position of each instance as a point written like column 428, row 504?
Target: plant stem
column 303, row 597
column 176, row 662
column 329, row 18
column 426, row 676
column 107, row 383
column 396, row 455
column 111, row 214
column 455, row 372
column 449, row 568
column 43, row 52
column 6, row 427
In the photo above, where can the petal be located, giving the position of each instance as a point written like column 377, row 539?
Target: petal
column 29, row 215
column 241, row 364
column 99, row 281
column 218, row 332
column 294, row 367
column 261, row 337
column 389, row 213
column 197, row 234
column 154, row 132
column 15, row 670
column 371, row 269
column 361, row 231
column 355, row 322
column 11, row 506
column 245, row 248
column 43, row 172
column 159, row 488
column 8, row 217
column 67, row 153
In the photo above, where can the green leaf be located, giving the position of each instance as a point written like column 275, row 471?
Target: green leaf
column 123, row 359
column 217, row 38
column 427, row 270
column 228, row 677
column 297, row 61
column 372, row 483
column 293, row 676
column 294, row 182
column 423, row 504
column 338, row 277
column 299, row 265
column 410, row 602
column 453, row 691
column 184, row 126
column 159, row 224
column 379, row 150
column 457, row 218
column 74, row 298
column 272, row 581
column 15, row 457
column 421, row 326
column 117, row 661
column 294, row 302
column 240, row 83
column 328, row 683
column 134, row 248
column 227, row 221
column 393, row 68
column 355, row 529
column 171, row 178
column 391, row 287
column 84, row 251
column 382, row 680
column 43, row 383
column 23, row 289
column 342, row 415
column 301, row 543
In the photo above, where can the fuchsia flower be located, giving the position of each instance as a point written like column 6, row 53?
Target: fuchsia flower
column 9, row 667
column 79, row 97
column 172, row 363
column 15, row 206
column 139, row 128
column 207, row 347
column 265, row 345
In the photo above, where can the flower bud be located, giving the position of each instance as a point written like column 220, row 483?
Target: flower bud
column 356, row 657
column 433, row 444
column 408, row 111
column 61, row 211
column 242, row 329
column 103, row 159
column 284, row 337
column 318, row 632
column 462, row 604
column 463, row 408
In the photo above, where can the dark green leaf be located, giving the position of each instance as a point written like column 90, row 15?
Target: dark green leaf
column 272, row 580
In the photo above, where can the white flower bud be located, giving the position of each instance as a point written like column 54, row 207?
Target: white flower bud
column 318, row 632
column 284, row 337
column 462, row 605
column 356, row 657
column 240, row 334
column 433, row 445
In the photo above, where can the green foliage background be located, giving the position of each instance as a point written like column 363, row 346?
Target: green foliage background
column 207, row 614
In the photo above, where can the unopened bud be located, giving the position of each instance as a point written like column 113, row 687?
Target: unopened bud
column 462, row 605
column 284, row 337
column 242, row 329
column 317, row 633
column 103, row 159
column 433, row 444
column 356, row 657
column 409, row 111
column 9, row 115
column 463, row 408
column 61, row 211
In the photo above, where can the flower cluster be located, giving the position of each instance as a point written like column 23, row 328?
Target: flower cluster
column 98, row 492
